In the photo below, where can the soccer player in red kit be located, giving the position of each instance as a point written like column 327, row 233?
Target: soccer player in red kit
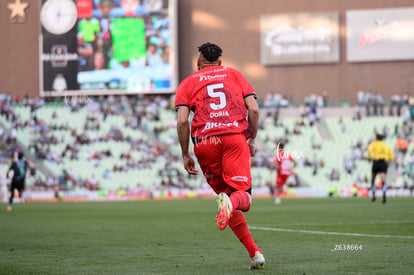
column 224, row 106
column 283, row 163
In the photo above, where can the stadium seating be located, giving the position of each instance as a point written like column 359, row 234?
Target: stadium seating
column 334, row 150
column 155, row 145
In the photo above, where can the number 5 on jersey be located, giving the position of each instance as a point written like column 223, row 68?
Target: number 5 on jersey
column 213, row 93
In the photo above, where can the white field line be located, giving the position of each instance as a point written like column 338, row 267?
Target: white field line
column 350, row 223
column 329, row 233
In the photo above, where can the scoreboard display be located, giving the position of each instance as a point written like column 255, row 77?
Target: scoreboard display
column 108, row 47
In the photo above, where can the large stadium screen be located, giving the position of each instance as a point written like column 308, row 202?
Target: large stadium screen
column 108, row 47
column 380, row 34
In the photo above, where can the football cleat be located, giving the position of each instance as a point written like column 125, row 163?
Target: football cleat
column 258, row 261
column 224, row 210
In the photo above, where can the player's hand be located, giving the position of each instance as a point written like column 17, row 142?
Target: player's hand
column 189, row 165
column 252, row 146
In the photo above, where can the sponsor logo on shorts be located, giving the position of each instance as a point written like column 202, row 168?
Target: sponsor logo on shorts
column 239, row 178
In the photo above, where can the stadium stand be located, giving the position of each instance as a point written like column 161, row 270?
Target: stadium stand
column 129, row 143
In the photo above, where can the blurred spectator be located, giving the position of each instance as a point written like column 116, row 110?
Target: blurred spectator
column 93, row 183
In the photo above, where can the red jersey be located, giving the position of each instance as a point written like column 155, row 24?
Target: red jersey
column 284, row 161
column 216, row 96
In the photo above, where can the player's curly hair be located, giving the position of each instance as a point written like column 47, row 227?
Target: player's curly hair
column 210, row 51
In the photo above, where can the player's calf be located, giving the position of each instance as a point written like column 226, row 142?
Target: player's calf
column 241, row 200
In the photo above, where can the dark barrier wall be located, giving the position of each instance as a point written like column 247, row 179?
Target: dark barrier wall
column 235, row 25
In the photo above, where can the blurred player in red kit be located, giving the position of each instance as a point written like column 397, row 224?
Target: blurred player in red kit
column 224, row 106
column 283, row 165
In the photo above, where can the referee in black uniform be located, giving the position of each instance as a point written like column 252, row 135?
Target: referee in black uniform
column 381, row 154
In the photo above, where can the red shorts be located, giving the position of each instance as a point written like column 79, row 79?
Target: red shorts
column 225, row 161
column 281, row 180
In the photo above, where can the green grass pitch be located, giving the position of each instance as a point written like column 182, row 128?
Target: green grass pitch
column 300, row 236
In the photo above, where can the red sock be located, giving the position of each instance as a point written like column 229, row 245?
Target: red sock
column 240, row 200
column 277, row 192
column 238, row 224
